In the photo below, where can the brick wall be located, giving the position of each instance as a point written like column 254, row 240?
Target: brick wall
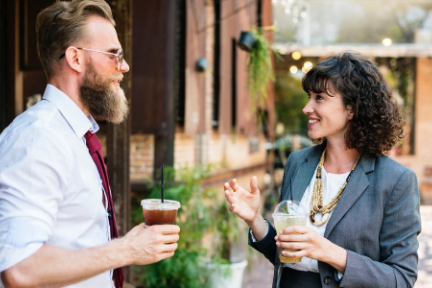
column 234, row 151
column 229, row 151
column 141, row 157
column 421, row 161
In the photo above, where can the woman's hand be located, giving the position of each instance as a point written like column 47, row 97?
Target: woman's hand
column 243, row 203
column 305, row 241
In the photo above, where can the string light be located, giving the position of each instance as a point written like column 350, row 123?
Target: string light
column 296, row 55
column 293, row 69
column 307, row 66
column 387, row 42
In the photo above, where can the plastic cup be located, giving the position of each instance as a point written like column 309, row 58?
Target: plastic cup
column 156, row 213
column 286, row 214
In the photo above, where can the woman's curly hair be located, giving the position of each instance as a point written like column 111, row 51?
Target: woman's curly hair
column 377, row 124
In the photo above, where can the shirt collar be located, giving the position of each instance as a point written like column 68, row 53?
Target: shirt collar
column 76, row 118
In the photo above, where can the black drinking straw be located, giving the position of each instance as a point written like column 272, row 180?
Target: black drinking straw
column 291, row 192
column 162, row 183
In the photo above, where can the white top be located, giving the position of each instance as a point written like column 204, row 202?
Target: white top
column 331, row 185
column 50, row 188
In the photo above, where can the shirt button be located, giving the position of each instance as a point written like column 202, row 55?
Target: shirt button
column 327, row 280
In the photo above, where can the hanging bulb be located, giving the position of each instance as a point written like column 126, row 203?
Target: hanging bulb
column 293, row 69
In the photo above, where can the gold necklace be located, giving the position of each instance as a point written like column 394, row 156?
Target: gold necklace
column 317, row 196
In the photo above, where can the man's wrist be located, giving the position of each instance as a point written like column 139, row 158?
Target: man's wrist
column 118, row 253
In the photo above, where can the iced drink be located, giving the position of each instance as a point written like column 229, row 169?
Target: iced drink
column 282, row 221
column 156, row 213
column 288, row 213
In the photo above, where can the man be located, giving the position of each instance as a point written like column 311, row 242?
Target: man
column 54, row 218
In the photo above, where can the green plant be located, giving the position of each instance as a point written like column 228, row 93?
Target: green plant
column 187, row 268
column 289, row 102
column 226, row 231
column 260, row 69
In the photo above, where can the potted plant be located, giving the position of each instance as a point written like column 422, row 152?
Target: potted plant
column 259, row 68
column 187, row 268
column 225, row 272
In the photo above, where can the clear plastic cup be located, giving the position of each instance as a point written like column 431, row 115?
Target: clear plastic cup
column 155, row 212
column 286, row 214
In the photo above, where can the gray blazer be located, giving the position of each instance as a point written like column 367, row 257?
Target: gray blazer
column 377, row 221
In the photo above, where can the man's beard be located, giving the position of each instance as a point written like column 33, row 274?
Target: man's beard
column 101, row 100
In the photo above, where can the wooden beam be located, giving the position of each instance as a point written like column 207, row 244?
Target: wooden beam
column 164, row 140
column 8, row 52
column 118, row 136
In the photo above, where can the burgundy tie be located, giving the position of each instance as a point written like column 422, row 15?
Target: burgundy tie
column 95, row 149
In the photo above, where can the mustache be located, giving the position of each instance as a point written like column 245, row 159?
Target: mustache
column 118, row 78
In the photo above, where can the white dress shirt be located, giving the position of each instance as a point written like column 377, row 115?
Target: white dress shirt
column 50, row 188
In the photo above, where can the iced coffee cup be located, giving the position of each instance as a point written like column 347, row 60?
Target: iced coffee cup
column 288, row 213
column 156, row 213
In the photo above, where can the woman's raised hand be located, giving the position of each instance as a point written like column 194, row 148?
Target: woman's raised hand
column 243, row 203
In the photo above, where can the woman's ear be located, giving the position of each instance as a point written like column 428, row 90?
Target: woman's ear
column 74, row 59
column 350, row 112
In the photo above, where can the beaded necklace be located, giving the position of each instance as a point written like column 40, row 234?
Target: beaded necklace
column 317, row 196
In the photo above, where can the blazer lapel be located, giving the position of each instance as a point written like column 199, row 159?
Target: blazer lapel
column 354, row 189
column 303, row 175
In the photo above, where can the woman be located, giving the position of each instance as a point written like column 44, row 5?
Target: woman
column 364, row 207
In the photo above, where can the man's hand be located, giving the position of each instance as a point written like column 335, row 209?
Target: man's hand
column 53, row 266
column 150, row 244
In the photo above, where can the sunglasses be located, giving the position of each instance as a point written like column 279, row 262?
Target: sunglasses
column 118, row 55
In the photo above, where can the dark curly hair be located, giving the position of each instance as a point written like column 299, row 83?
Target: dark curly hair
column 377, row 124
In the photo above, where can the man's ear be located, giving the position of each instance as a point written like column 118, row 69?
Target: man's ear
column 74, row 59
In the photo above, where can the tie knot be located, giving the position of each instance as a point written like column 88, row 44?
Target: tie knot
column 88, row 135
column 92, row 142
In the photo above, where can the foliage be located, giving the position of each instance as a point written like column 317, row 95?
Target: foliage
column 290, row 100
column 187, row 268
column 260, row 69
column 225, row 231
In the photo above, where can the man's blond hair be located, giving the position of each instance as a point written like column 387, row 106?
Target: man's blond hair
column 61, row 25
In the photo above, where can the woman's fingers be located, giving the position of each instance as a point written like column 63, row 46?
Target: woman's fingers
column 234, row 185
column 227, row 187
column 229, row 196
column 254, row 185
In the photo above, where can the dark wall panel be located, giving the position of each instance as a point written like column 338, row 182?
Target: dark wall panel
column 7, row 87
column 29, row 10
column 152, row 66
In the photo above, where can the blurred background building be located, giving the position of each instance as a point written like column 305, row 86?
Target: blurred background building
column 396, row 34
